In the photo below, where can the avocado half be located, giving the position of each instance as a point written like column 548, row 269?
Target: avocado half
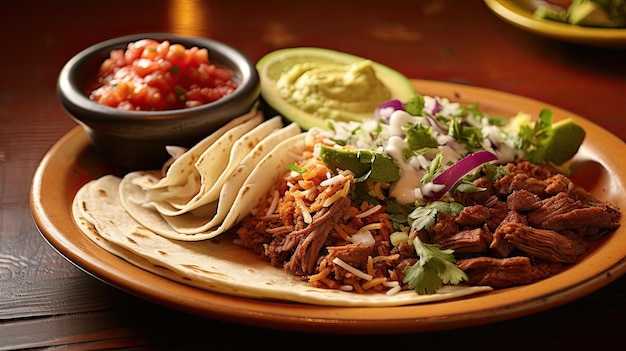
column 274, row 64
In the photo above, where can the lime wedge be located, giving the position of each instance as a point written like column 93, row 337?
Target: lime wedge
column 566, row 140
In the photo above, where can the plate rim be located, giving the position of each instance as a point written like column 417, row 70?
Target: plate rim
column 97, row 262
column 515, row 14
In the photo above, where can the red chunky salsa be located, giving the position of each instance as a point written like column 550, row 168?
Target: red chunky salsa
column 152, row 75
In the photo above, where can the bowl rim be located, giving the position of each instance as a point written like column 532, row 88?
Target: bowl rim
column 70, row 93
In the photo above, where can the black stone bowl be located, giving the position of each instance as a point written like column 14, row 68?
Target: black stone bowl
column 136, row 139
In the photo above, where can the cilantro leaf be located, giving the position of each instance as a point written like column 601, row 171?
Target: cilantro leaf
column 434, row 268
column 419, row 139
column 494, row 172
column 534, row 138
column 424, row 217
column 470, row 136
column 295, row 168
column 435, row 167
column 415, row 105
column 468, row 187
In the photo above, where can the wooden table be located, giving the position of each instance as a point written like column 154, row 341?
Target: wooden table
column 45, row 301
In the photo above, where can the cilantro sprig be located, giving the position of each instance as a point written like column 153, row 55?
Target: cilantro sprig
column 424, row 217
column 434, row 268
column 419, row 140
column 534, row 138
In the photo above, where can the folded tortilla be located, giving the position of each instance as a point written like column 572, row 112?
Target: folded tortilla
column 221, row 213
column 202, row 175
column 179, row 171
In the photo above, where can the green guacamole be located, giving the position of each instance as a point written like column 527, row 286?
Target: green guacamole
column 334, row 91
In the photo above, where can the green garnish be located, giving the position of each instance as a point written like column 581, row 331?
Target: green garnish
column 419, row 140
column 553, row 142
column 434, row 268
column 435, row 168
column 534, row 137
column 494, row 172
column 471, row 137
column 295, row 168
column 415, row 106
column 425, row 217
column 364, row 164
column 180, row 93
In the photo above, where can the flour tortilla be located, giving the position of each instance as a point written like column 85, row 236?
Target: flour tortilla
column 216, row 265
column 217, row 216
column 179, row 171
column 214, row 167
column 190, row 193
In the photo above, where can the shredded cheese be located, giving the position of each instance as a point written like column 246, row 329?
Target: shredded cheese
column 394, row 285
column 369, row 212
column 274, row 203
column 370, row 266
column 333, row 180
column 330, row 283
column 321, row 275
column 346, row 287
column 357, row 287
column 372, row 283
column 304, row 210
column 371, row 226
column 339, row 194
column 342, row 233
column 359, row 273
column 385, row 258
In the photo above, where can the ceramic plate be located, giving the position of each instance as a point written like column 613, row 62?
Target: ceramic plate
column 600, row 167
column 519, row 13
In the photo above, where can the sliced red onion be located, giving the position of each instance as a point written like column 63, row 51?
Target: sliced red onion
column 442, row 183
column 437, row 108
column 433, row 123
column 392, row 105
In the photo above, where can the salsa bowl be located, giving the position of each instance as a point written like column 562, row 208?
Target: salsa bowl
column 136, row 139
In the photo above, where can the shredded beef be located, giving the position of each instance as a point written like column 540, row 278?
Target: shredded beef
column 544, row 244
column 551, row 206
column 309, row 241
column 539, row 219
column 404, row 249
column 473, row 215
column 477, row 197
column 522, row 201
column 585, row 221
column 497, row 272
column 404, row 264
column 354, row 254
column 498, row 210
column 520, row 181
column 500, row 247
column 472, row 241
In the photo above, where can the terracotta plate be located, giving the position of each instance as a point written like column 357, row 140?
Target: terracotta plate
column 519, row 13
column 600, row 167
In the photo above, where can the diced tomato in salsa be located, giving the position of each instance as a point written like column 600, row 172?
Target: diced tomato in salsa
column 151, row 75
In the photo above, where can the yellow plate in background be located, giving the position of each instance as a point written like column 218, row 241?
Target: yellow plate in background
column 519, row 13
